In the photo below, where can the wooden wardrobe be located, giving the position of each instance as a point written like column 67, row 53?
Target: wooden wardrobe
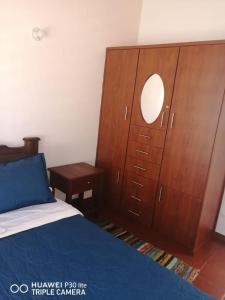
column 167, row 174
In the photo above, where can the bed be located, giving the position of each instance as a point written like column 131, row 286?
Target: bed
column 50, row 251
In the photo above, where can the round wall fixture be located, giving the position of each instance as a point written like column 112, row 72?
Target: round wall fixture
column 37, row 34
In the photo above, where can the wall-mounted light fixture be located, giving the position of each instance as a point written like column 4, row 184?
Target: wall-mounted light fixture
column 37, row 34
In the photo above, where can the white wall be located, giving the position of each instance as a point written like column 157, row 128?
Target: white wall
column 220, row 227
column 52, row 88
column 181, row 20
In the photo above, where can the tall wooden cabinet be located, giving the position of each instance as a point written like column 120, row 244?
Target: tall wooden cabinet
column 162, row 174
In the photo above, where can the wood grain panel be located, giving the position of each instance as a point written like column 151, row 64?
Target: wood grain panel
column 176, row 216
column 163, row 62
column 195, row 112
column 118, row 89
column 215, row 185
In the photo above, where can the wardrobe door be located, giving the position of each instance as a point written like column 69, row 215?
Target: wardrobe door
column 155, row 62
column 118, row 89
column 176, row 215
column 194, row 116
column 154, row 84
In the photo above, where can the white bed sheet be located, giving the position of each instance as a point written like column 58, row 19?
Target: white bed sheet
column 33, row 216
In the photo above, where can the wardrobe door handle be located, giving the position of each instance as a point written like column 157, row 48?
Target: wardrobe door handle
column 162, row 118
column 118, row 177
column 160, row 193
column 125, row 114
column 172, row 120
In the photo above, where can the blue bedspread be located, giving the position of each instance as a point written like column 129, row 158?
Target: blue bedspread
column 76, row 252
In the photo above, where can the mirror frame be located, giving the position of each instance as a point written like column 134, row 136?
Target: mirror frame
column 149, row 114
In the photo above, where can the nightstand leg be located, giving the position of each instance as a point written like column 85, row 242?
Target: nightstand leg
column 98, row 196
column 81, row 196
column 69, row 198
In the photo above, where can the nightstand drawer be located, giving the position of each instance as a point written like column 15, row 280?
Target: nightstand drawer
column 83, row 184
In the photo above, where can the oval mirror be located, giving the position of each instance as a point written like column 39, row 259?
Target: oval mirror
column 152, row 98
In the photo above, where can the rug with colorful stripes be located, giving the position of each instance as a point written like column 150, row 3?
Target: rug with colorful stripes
column 165, row 259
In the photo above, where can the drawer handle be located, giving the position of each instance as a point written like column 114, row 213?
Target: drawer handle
column 137, row 183
column 140, row 168
column 89, row 182
column 145, row 136
column 134, row 213
column 136, row 198
column 142, row 152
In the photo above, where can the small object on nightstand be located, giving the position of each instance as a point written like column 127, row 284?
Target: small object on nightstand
column 76, row 179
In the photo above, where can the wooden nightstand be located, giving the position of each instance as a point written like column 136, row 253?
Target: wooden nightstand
column 76, row 179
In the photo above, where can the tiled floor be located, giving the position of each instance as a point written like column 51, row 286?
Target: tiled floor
column 210, row 259
column 212, row 275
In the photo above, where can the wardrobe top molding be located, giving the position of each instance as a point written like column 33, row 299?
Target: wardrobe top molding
column 214, row 42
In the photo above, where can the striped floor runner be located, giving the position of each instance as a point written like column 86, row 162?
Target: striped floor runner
column 165, row 259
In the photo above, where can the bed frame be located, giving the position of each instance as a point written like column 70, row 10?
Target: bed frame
column 12, row 153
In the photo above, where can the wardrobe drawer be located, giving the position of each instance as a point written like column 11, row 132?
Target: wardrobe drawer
column 133, row 208
column 145, row 135
column 137, row 211
column 133, row 204
column 142, row 168
column 140, row 188
column 145, row 152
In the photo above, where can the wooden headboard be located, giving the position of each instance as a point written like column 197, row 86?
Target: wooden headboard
column 12, row 153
